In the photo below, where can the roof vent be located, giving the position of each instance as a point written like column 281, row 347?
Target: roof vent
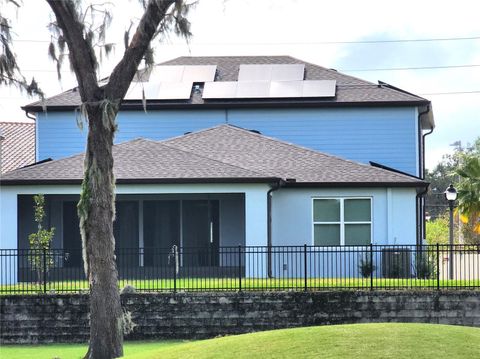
column 187, row 133
column 256, row 131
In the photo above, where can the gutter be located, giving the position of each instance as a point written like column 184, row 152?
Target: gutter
column 419, row 203
column 420, row 214
column 276, row 186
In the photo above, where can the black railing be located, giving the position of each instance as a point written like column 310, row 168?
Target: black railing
column 250, row 268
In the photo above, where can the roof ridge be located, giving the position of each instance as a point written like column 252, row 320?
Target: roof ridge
column 306, row 149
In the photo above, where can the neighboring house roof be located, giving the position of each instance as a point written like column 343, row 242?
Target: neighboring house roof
column 17, row 146
column 224, row 154
column 349, row 91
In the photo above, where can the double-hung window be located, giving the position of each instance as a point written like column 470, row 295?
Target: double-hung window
column 342, row 221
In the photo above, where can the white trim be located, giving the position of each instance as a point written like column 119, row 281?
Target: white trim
column 418, row 137
column 342, row 221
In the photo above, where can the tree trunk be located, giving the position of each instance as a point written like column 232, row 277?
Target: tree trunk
column 97, row 211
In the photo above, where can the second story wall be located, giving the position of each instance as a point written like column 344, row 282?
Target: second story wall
column 388, row 136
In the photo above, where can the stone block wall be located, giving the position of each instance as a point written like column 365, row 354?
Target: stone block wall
column 64, row 318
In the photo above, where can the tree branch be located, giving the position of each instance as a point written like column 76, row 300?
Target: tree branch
column 125, row 70
column 81, row 56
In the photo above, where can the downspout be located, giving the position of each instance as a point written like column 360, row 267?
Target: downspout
column 36, row 132
column 419, row 203
column 418, row 199
column 421, row 171
column 276, row 186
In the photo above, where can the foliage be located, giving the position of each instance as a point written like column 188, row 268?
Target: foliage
column 366, row 267
column 469, row 193
column 443, row 175
column 437, row 230
column 9, row 71
column 41, row 257
column 425, row 265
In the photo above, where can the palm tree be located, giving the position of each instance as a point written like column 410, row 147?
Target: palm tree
column 469, row 191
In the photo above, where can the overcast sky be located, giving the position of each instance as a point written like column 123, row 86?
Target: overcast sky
column 312, row 30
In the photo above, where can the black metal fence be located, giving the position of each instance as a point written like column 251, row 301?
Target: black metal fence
column 250, row 268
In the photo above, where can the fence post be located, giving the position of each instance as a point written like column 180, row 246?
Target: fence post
column 44, row 270
column 240, row 267
column 438, row 267
column 305, row 265
column 174, row 268
column 371, row 266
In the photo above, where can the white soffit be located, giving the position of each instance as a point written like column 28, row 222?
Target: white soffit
column 319, row 88
column 277, row 72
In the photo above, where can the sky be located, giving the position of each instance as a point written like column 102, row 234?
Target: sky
column 350, row 36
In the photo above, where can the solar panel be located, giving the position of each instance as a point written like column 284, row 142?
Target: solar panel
column 319, row 88
column 167, row 73
column 174, row 91
column 223, row 89
column 134, row 92
column 203, row 73
column 275, row 72
column 253, row 89
column 151, row 90
column 286, row 89
column 287, row 72
column 254, row 73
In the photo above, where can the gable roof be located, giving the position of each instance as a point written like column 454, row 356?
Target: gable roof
column 223, row 154
column 17, row 145
column 350, row 90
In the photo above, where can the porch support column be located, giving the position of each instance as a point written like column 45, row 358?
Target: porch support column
column 8, row 235
column 256, row 223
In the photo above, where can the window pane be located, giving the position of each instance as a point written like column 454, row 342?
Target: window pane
column 357, row 234
column 357, row 210
column 326, row 235
column 326, row 210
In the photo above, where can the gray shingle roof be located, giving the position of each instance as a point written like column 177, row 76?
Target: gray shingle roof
column 17, row 146
column 350, row 90
column 220, row 154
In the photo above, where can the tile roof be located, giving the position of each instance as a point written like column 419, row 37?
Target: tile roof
column 220, row 154
column 17, row 149
column 350, row 90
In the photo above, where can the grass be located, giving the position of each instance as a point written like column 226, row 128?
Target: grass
column 233, row 284
column 74, row 351
column 398, row 340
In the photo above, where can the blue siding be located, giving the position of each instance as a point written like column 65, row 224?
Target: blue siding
column 384, row 135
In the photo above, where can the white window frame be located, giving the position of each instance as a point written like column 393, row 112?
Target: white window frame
column 342, row 221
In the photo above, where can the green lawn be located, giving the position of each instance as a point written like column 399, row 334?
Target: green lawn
column 341, row 341
column 233, row 284
column 74, row 351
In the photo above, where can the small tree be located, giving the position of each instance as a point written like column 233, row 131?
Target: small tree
column 366, row 267
column 40, row 242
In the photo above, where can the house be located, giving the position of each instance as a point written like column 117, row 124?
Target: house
column 17, row 145
column 255, row 151
column 214, row 188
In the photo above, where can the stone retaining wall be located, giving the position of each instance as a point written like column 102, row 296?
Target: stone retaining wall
column 64, row 318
